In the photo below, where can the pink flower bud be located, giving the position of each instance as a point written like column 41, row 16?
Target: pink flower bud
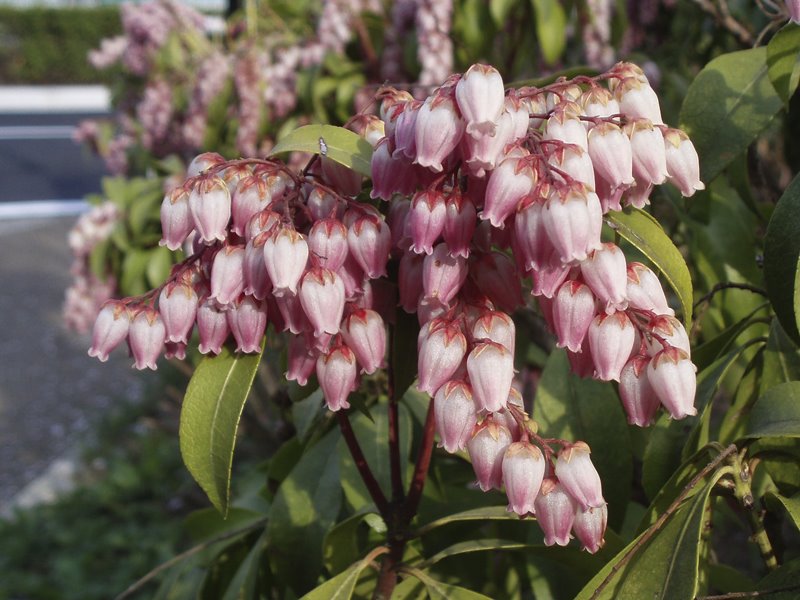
column 638, row 397
column 353, row 278
column 574, row 162
column 565, row 126
column 247, row 320
column 301, row 360
column 683, row 164
column 442, row 347
column 673, row 378
column 610, row 150
column 573, row 223
column 649, row 152
column 508, row 184
column 146, row 338
column 426, row 220
column 322, row 204
column 496, row 276
column 365, row 333
column 486, row 449
column 370, row 242
column 555, row 512
column 405, row 143
column 212, row 325
column 438, row 130
column 481, row 99
column 210, row 206
column 644, row 290
column 459, row 224
column 523, row 472
column 176, row 219
column 327, row 242
column 227, row 274
column 665, row 328
column 598, row 102
column 256, row 280
column 481, row 154
column 110, row 328
column 177, row 304
column 262, row 222
column 605, row 271
column 285, row 256
column 590, row 527
column 530, row 234
column 491, row 371
column 577, row 474
column 390, row 175
column 252, row 195
column 637, row 99
column 343, row 179
column 455, row 415
column 322, row 298
column 336, row 373
column 442, row 274
column 202, row 162
column 495, row 326
column 793, row 6
column 409, row 281
column 573, row 312
column 611, row 340
column 294, row 317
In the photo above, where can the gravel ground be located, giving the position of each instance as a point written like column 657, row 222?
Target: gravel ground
column 50, row 389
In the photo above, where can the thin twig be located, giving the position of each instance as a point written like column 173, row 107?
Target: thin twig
column 373, row 487
column 710, row 467
column 756, row 594
column 134, row 587
column 727, row 285
column 724, row 18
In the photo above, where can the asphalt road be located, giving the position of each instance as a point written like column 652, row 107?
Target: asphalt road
column 39, row 160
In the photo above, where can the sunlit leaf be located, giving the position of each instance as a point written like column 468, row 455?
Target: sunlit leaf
column 777, row 412
column 337, row 143
column 783, row 60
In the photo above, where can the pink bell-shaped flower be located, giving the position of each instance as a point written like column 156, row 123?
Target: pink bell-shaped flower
column 390, row 175
column 649, row 152
column 673, row 378
column 344, row 179
column 210, row 206
column 644, row 290
column 491, row 371
column 176, row 218
column 605, row 271
column 212, row 325
column 573, row 312
column 405, row 132
column 511, row 181
column 598, row 102
column 455, row 415
column 442, row 274
column 409, row 281
column 337, row 376
column 610, row 150
column 256, row 280
column 301, row 360
column 441, row 350
column 793, row 6
column 261, row 222
column 577, row 474
column 495, row 275
column 555, row 512
column 322, row 204
column 565, row 126
column 497, row 327
column 426, row 220
column 575, row 162
column 294, row 317
column 590, row 527
column 365, row 333
column 486, row 450
column 327, row 243
column 370, row 242
column 247, row 320
column 683, row 164
column 110, row 328
column 611, row 339
column 482, row 154
column 203, row 162
column 252, row 195
column 322, row 298
column 177, row 304
column 665, row 328
column 636, row 98
column 523, row 473
column 438, row 129
column 638, row 397
column 227, row 274
column 285, row 256
column 573, row 223
column 530, row 234
column 459, row 223
column 146, row 338
column 481, row 99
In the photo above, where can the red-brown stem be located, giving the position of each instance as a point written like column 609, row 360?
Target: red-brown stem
column 373, row 487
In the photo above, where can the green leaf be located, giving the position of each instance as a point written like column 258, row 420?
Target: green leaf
column 159, row 266
column 500, row 10
column 210, row 416
column 305, row 507
column 783, row 61
column 340, row 548
column 707, row 353
column 340, row 587
column 666, row 565
column 481, row 545
column 551, row 32
column 307, row 412
column 572, row 408
column 776, row 413
column 790, row 505
column 134, row 267
column 783, row 583
column 206, row 523
column 337, row 143
column 443, row 591
column 781, row 254
column 244, row 581
column 647, row 236
column 781, row 359
column 727, row 105
column 489, row 513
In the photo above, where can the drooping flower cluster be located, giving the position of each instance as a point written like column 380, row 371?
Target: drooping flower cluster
column 489, row 192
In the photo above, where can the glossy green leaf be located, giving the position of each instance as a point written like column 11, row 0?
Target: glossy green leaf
column 708, row 352
column 790, row 505
column 337, row 143
column 340, row 587
column 307, row 412
column 727, row 105
column 210, row 416
column 244, row 581
column 666, row 565
column 572, row 408
column 781, row 358
column 782, row 584
column 500, row 9
column 776, row 413
column 134, row 267
column 438, row 590
column 480, row 545
column 305, row 508
column 781, row 254
column 340, row 548
column 490, row 513
column 647, row 236
column 783, row 61
column 159, row 266
column 551, row 31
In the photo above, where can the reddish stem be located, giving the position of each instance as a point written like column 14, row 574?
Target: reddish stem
column 373, row 487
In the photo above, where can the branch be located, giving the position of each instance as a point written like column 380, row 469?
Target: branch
column 756, row 594
column 726, row 20
column 726, row 285
column 373, row 487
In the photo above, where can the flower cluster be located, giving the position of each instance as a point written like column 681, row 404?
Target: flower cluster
column 489, row 192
